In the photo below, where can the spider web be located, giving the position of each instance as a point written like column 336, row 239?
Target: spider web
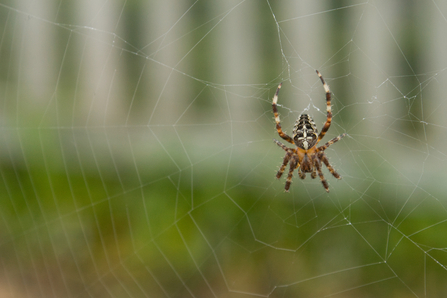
column 137, row 160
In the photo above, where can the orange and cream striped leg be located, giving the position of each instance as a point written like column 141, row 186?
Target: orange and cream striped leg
column 284, row 147
column 320, row 173
column 314, row 173
column 328, row 109
column 334, row 140
column 293, row 165
column 276, row 114
column 324, row 159
column 289, row 153
column 283, row 166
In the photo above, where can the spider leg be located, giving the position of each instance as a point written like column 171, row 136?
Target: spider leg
column 301, row 174
column 276, row 114
column 323, row 158
column 334, row 140
column 314, row 173
column 320, row 173
column 284, row 164
column 293, row 165
column 328, row 109
column 284, row 147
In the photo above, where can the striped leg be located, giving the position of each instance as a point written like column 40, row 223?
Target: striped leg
column 289, row 153
column 293, row 165
column 276, row 114
column 334, row 140
column 328, row 109
column 283, row 166
column 324, row 159
column 320, row 173
column 284, row 147
column 314, row 173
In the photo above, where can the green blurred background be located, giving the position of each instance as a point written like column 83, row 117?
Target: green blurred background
column 136, row 152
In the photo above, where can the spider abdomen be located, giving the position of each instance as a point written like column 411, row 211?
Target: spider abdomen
column 305, row 133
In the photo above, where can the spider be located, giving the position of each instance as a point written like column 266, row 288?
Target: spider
column 306, row 157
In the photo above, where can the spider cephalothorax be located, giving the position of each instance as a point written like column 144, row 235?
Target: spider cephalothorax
column 306, row 157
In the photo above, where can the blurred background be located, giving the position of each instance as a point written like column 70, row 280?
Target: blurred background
column 136, row 152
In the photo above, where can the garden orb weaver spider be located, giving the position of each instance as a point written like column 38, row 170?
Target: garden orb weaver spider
column 306, row 157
